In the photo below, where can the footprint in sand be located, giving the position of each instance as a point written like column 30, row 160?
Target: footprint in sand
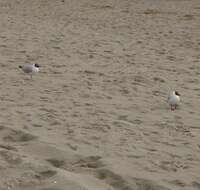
column 90, row 162
column 47, row 174
column 12, row 135
column 18, row 136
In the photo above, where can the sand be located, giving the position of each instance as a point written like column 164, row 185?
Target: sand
column 96, row 116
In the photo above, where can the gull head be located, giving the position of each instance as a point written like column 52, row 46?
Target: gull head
column 177, row 93
column 36, row 65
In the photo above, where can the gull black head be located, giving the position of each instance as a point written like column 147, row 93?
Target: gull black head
column 177, row 93
column 36, row 65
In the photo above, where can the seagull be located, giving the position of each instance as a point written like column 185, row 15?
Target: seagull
column 174, row 99
column 30, row 68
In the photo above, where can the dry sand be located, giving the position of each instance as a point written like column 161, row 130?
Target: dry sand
column 96, row 117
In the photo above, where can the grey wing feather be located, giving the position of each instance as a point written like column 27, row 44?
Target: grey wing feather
column 27, row 68
column 168, row 98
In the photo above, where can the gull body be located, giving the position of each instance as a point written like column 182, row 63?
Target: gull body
column 174, row 99
column 30, row 68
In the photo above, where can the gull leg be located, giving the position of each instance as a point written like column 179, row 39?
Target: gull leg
column 23, row 81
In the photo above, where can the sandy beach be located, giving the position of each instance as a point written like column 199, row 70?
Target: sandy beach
column 96, row 116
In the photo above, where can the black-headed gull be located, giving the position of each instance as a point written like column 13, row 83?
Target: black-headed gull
column 174, row 99
column 30, row 68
